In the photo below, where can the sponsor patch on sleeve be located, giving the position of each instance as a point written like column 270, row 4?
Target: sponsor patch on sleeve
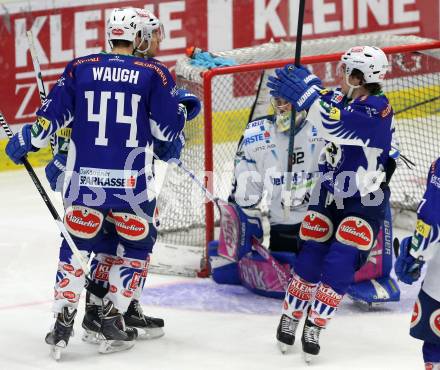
column 335, row 114
column 65, row 132
column 43, row 122
column 422, row 228
column 386, row 111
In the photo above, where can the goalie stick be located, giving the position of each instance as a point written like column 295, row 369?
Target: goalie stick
column 282, row 274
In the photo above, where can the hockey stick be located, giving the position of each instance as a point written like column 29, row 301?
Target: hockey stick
column 39, row 78
column 90, row 285
column 257, row 96
column 287, row 192
column 47, row 201
column 283, row 275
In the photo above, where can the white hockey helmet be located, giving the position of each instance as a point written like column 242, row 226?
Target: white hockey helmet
column 370, row 60
column 123, row 24
column 149, row 23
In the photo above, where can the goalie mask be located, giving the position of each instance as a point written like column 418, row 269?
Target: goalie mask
column 123, row 24
column 149, row 25
column 283, row 113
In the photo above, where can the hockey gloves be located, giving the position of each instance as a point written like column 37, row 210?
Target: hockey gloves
column 20, row 144
column 54, row 169
column 166, row 150
column 303, row 74
column 407, row 267
column 293, row 89
column 191, row 103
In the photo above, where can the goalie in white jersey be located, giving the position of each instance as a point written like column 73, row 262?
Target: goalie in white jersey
column 260, row 167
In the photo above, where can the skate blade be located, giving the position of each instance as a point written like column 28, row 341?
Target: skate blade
column 56, row 350
column 283, row 347
column 111, row 346
column 91, row 337
column 308, row 358
column 149, row 333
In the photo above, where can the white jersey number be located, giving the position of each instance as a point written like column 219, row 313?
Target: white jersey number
column 101, row 116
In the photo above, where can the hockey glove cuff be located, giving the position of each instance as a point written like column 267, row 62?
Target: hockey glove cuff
column 407, row 267
column 190, row 101
column 293, row 89
column 55, row 171
column 166, row 150
column 303, row 74
column 20, row 145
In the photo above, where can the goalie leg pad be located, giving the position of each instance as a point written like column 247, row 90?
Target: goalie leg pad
column 223, row 270
column 259, row 276
column 379, row 290
column 355, row 231
column 298, row 297
column 316, row 226
column 425, row 320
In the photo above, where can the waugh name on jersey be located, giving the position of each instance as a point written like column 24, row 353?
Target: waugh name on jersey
column 115, row 74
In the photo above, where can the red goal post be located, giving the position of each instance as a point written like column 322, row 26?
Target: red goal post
column 227, row 94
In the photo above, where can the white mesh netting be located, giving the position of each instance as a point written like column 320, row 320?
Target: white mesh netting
column 413, row 87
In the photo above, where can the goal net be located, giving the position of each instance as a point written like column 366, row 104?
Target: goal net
column 188, row 221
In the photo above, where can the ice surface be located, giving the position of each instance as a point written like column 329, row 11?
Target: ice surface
column 207, row 326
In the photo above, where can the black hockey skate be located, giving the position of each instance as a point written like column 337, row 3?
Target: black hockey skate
column 92, row 324
column 59, row 336
column 115, row 335
column 310, row 340
column 147, row 327
column 286, row 332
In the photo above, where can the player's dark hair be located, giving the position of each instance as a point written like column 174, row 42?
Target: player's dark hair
column 121, row 43
column 372, row 88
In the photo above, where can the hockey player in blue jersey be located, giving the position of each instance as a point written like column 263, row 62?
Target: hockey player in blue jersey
column 348, row 206
column 414, row 252
column 118, row 105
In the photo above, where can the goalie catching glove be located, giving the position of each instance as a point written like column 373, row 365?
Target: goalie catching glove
column 191, row 103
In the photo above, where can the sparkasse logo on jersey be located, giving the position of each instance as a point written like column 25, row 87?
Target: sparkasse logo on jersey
column 104, row 178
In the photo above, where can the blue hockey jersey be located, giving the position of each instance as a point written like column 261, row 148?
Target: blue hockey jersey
column 427, row 231
column 116, row 106
column 358, row 136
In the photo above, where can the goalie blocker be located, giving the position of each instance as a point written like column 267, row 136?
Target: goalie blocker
column 234, row 259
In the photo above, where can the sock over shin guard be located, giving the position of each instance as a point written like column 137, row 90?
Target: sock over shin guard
column 324, row 306
column 298, row 295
